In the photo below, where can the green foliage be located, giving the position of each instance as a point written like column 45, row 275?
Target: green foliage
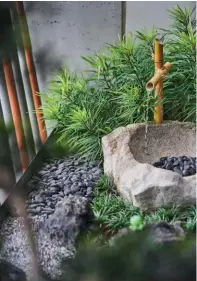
column 112, row 212
column 180, row 46
column 84, row 108
column 189, row 216
column 91, row 239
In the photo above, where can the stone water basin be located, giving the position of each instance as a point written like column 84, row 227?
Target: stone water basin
column 128, row 157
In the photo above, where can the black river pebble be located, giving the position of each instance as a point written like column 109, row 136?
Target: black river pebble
column 59, row 178
column 182, row 165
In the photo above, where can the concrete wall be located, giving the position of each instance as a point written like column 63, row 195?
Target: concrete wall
column 62, row 31
column 146, row 14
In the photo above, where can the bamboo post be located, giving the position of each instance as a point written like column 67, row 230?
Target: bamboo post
column 158, row 60
column 31, row 68
column 156, row 82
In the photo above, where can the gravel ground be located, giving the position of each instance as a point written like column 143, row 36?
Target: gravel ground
column 56, row 180
column 16, row 249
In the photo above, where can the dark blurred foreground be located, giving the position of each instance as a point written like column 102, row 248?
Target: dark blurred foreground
column 135, row 258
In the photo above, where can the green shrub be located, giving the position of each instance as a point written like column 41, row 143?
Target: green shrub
column 85, row 108
column 180, row 45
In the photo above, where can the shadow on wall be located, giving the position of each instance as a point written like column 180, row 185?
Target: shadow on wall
column 45, row 63
column 63, row 31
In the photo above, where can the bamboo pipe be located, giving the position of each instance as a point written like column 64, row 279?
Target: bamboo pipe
column 17, row 119
column 31, row 68
column 156, row 82
column 160, row 74
column 158, row 60
column 35, row 134
column 20, row 87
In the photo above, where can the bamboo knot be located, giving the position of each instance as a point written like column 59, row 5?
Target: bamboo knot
column 158, row 61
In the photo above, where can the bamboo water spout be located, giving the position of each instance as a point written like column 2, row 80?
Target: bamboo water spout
column 156, row 82
column 160, row 74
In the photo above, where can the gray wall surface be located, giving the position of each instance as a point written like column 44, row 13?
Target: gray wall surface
column 62, row 31
column 146, row 14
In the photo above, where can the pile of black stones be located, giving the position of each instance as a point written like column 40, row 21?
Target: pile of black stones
column 183, row 165
column 60, row 178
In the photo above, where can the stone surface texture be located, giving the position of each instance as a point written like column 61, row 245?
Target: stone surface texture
column 70, row 217
column 129, row 152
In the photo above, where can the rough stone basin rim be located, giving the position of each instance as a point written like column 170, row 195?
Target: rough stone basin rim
column 128, row 157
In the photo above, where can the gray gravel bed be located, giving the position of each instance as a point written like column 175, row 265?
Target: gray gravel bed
column 58, row 180
column 16, row 249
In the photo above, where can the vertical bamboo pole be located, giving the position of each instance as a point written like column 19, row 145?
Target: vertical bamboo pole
column 25, row 80
column 31, row 68
column 158, row 60
column 20, row 87
column 17, row 119
column 123, row 19
column 7, row 176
